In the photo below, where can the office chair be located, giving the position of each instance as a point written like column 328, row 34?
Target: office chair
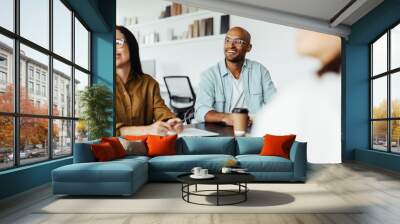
column 181, row 96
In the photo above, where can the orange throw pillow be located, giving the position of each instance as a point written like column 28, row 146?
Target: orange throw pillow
column 161, row 145
column 277, row 145
column 116, row 145
column 103, row 151
column 142, row 138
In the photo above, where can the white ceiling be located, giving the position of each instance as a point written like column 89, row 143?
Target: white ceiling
column 321, row 9
column 324, row 16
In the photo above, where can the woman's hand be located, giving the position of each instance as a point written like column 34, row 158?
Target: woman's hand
column 176, row 124
column 160, row 128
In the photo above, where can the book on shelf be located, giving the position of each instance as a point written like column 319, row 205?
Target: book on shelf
column 196, row 26
column 224, row 24
column 175, row 9
column 167, row 11
column 209, row 26
column 202, row 27
column 190, row 30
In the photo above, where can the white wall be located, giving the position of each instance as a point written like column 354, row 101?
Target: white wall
column 147, row 10
column 273, row 45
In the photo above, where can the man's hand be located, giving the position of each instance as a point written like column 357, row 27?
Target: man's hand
column 228, row 119
column 176, row 124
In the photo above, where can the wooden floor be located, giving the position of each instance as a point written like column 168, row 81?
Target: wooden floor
column 378, row 188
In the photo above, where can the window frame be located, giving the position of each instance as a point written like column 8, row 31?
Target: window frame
column 388, row 74
column 16, row 114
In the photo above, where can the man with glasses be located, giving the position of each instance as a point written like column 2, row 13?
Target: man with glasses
column 235, row 82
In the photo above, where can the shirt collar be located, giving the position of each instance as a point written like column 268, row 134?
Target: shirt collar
column 132, row 76
column 223, row 70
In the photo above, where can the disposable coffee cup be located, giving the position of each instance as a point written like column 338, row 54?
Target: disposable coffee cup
column 240, row 118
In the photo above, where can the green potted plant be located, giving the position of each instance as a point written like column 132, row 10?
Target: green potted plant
column 95, row 103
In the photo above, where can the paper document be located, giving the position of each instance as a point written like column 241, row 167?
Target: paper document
column 196, row 132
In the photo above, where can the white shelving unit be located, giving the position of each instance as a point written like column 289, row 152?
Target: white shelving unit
column 179, row 24
column 193, row 15
column 185, row 41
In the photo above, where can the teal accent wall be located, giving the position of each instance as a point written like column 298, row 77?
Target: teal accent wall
column 103, row 56
column 355, row 86
column 27, row 177
column 99, row 16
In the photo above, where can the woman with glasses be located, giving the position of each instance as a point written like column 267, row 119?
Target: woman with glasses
column 140, row 109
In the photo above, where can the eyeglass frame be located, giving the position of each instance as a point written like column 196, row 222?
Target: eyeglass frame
column 120, row 43
column 240, row 42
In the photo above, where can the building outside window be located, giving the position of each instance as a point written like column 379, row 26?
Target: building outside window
column 30, row 72
column 44, row 77
column 30, row 87
column 38, row 89
column 3, row 78
column 37, row 74
column 385, row 94
column 43, row 90
column 3, row 61
column 58, row 126
column 3, row 71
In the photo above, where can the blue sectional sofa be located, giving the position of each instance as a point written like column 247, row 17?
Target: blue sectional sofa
column 125, row 176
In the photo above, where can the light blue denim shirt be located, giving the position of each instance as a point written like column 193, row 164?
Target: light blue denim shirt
column 215, row 88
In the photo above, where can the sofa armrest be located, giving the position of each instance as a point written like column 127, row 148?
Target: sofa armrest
column 83, row 152
column 298, row 155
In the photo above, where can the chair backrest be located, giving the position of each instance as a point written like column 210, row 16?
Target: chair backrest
column 180, row 91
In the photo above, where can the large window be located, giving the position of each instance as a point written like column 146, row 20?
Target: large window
column 385, row 91
column 44, row 64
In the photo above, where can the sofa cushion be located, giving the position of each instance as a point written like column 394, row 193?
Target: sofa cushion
column 249, row 145
column 185, row 163
column 83, row 152
column 257, row 163
column 111, row 171
column 133, row 158
column 116, row 145
column 275, row 145
column 161, row 145
column 103, row 152
column 142, row 138
column 136, row 147
column 206, row 145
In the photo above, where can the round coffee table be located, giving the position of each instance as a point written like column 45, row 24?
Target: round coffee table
column 238, row 179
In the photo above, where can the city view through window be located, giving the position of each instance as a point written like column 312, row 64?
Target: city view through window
column 39, row 113
column 385, row 91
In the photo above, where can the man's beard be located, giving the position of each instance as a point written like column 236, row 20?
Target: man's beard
column 235, row 59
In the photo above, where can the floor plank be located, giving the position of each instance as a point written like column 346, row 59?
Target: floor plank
column 376, row 189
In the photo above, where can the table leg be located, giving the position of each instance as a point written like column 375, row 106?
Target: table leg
column 217, row 194
column 245, row 193
column 188, row 190
column 196, row 188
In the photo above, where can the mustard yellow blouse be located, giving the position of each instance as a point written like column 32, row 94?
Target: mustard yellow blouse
column 139, row 102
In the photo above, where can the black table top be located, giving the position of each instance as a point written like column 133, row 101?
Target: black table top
column 220, row 178
column 221, row 129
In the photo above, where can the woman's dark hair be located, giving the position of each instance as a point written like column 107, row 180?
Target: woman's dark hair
column 333, row 66
column 133, row 46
